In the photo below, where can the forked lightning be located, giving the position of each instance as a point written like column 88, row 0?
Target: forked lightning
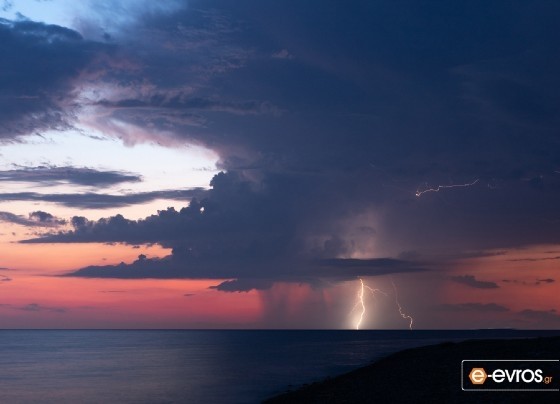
column 360, row 303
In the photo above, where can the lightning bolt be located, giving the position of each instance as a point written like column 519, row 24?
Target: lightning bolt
column 361, row 304
column 401, row 311
column 360, row 301
column 440, row 187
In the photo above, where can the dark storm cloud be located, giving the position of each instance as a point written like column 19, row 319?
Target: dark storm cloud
column 419, row 99
column 35, row 219
column 16, row 219
column 474, row 307
column 243, row 285
column 234, row 232
column 250, row 274
column 38, row 67
column 369, row 103
column 367, row 267
column 102, row 201
column 49, row 175
column 176, row 58
column 410, row 88
column 45, row 218
column 471, row 281
column 233, row 217
column 318, row 273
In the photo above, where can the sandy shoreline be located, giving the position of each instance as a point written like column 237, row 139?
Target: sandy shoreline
column 430, row 374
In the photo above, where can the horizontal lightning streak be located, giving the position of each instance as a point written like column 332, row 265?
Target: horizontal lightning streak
column 440, row 187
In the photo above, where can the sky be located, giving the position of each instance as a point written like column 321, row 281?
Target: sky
column 265, row 164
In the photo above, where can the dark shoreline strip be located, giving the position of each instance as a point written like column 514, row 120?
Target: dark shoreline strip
column 430, row 374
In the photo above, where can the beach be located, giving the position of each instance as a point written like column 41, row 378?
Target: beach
column 430, row 374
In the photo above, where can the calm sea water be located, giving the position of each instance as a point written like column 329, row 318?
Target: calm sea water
column 191, row 366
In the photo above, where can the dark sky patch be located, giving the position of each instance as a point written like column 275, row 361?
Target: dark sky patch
column 471, row 281
column 541, row 316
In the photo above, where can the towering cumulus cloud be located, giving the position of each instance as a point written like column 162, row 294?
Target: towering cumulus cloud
column 240, row 229
column 330, row 119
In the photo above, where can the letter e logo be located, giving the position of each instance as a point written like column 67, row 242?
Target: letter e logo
column 478, row 376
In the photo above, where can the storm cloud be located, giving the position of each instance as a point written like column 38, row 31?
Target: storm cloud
column 346, row 137
column 92, row 200
column 51, row 175
column 38, row 71
column 235, row 232
column 35, row 219
column 328, row 125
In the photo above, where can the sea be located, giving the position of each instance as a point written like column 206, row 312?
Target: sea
column 193, row 366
